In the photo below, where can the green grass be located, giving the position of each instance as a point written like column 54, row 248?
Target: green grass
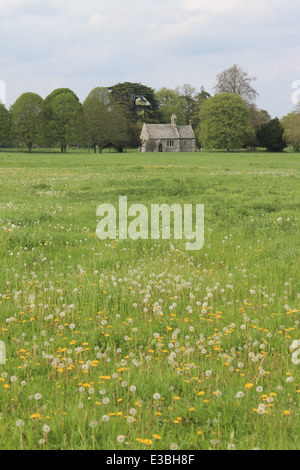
column 146, row 313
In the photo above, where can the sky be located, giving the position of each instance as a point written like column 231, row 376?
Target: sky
column 48, row 44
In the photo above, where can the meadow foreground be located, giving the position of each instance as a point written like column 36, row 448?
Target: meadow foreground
column 141, row 344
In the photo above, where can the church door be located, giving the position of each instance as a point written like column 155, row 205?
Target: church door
column 160, row 148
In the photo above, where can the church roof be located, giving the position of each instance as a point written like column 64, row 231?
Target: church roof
column 169, row 131
column 186, row 132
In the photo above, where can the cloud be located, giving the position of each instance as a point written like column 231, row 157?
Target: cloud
column 98, row 19
column 8, row 6
column 235, row 8
column 213, row 7
column 17, row 8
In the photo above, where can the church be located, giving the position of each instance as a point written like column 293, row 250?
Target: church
column 168, row 137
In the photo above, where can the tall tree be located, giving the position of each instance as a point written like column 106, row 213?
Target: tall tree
column 4, row 125
column 200, row 98
column 96, row 118
column 291, row 125
column 271, row 137
column 188, row 94
column 170, row 102
column 224, row 122
column 64, row 118
column 122, row 133
column 105, row 122
column 258, row 117
column 138, row 101
column 138, row 104
column 236, row 81
column 27, row 115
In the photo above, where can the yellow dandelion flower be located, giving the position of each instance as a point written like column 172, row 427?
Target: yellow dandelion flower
column 248, row 386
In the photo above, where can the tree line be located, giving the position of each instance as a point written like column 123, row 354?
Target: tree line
column 113, row 116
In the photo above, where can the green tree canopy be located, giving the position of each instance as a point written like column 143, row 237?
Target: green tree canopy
column 188, row 95
column 27, row 115
column 122, row 133
column 200, row 98
column 224, row 122
column 271, row 137
column 138, row 101
column 4, row 125
column 102, row 95
column 170, row 102
column 105, row 121
column 64, row 118
column 96, row 118
column 258, row 117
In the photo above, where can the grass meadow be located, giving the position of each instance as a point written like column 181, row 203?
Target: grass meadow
column 132, row 345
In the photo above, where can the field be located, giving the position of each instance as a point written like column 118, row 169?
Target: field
column 129, row 345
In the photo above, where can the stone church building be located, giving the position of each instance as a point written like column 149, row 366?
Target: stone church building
column 168, row 137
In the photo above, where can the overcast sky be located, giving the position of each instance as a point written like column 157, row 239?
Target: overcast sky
column 46, row 44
